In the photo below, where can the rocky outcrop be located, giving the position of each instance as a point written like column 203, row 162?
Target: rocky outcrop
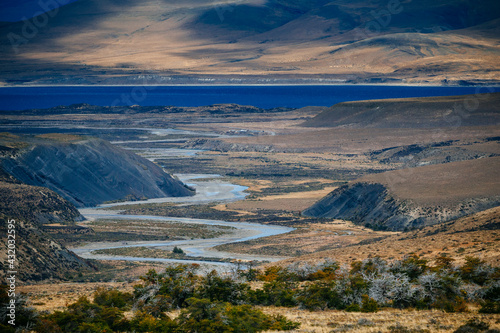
column 224, row 146
column 91, row 172
column 427, row 154
column 362, row 203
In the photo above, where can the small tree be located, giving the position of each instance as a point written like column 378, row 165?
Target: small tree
column 178, row 250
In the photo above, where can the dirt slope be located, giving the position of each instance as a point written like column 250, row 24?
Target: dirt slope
column 38, row 255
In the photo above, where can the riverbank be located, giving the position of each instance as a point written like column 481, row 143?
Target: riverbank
column 209, row 189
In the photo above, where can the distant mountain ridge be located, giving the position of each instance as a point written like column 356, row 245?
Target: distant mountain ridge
column 90, row 41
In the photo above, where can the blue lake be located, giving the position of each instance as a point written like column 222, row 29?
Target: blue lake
column 20, row 98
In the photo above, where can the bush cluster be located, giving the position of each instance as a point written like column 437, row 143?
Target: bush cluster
column 411, row 282
column 365, row 286
column 373, row 283
column 225, row 303
column 209, row 303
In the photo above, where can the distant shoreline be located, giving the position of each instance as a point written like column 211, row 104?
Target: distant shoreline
column 265, row 96
column 497, row 85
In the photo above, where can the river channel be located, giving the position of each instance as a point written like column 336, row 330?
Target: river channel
column 209, row 189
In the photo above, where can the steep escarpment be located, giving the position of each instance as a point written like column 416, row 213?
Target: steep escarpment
column 90, row 172
column 38, row 255
column 417, row 197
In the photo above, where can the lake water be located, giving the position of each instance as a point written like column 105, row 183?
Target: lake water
column 20, row 98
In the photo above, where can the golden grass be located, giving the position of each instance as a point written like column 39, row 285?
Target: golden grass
column 474, row 235
column 308, row 239
column 294, row 201
column 355, row 322
column 56, row 296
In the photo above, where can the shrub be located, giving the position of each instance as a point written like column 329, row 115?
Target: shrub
column 178, row 282
column 85, row 316
column 412, row 266
column 354, row 307
column 319, row 296
column 368, row 304
column 490, row 307
column 277, row 273
column 491, row 292
column 112, row 298
column 327, row 271
column 275, row 293
column 157, row 306
column 205, row 316
column 443, row 263
column 178, row 250
column 217, row 288
column 455, row 304
column 281, row 323
column 144, row 322
column 475, row 270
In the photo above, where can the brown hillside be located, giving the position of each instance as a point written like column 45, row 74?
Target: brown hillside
column 443, row 184
column 415, row 197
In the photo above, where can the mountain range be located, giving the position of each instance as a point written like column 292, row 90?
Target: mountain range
column 255, row 41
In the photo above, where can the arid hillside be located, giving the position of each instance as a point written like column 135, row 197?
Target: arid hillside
column 255, row 41
column 38, row 255
column 415, row 197
column 442, row 175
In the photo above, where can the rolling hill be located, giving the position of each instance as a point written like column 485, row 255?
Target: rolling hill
column 90, row 41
